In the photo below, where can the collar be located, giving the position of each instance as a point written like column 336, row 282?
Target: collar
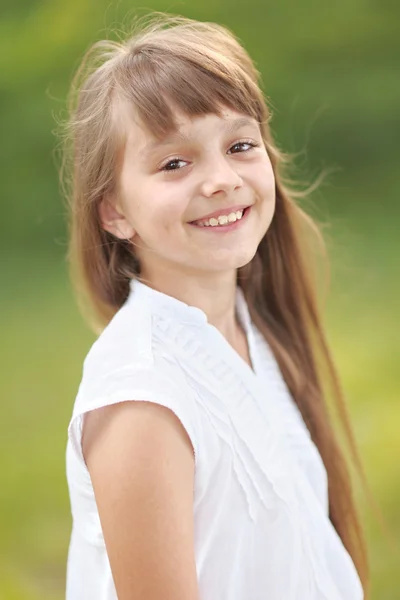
column 186, row 313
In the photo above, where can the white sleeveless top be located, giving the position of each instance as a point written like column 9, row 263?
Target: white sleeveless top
column 262, row 530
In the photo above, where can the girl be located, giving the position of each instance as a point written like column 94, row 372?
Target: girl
column 201, row 460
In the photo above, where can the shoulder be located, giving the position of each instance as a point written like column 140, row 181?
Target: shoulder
column 128, row 362
column 132, row 344
column 125, row 341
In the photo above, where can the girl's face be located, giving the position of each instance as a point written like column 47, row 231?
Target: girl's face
column 212, row 165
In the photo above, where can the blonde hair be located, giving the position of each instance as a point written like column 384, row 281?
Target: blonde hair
column 171, row 61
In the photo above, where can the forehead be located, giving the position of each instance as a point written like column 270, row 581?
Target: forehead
column 184, row 127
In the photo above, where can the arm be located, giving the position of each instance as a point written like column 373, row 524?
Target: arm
column 141, row 464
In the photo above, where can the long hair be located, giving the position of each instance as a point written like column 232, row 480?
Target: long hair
column 171, row 61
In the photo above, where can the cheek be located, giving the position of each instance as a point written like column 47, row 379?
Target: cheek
column 160, row 208
column 166, row 207
column 262, row 180
column 267, row 182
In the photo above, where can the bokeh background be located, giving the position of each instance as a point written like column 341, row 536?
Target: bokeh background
column 330, row 70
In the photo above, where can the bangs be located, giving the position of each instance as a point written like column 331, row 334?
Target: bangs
column 159, row 83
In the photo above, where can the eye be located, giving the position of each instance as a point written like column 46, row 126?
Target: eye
column 171, row 165
column 244, row 143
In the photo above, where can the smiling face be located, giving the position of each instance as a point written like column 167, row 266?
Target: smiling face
column 212, row 164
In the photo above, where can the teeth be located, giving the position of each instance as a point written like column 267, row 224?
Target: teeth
column 222, row 219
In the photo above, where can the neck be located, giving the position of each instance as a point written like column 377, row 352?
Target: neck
column 215, row 296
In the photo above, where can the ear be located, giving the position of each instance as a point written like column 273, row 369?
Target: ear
column 113, row 220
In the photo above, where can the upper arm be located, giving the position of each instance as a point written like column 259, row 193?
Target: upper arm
column 141, row 464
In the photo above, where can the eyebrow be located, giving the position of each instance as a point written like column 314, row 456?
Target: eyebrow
column 231, row 125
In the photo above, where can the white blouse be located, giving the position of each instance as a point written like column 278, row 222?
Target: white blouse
column 262, row 530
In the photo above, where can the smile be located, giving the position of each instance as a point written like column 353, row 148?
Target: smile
column 223, row 222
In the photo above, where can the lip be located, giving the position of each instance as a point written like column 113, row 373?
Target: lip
column 221, row 211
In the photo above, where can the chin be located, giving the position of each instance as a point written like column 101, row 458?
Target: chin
column 236, row 260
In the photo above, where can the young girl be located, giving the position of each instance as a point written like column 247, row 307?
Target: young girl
column 201, row 461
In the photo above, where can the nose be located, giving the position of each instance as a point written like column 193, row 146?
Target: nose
column 220, row 177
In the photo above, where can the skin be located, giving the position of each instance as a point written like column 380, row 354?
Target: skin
column 141, row 466
column 214, row 169
column 145, row 503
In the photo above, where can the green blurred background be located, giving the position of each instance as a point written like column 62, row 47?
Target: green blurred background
column 329, row 70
